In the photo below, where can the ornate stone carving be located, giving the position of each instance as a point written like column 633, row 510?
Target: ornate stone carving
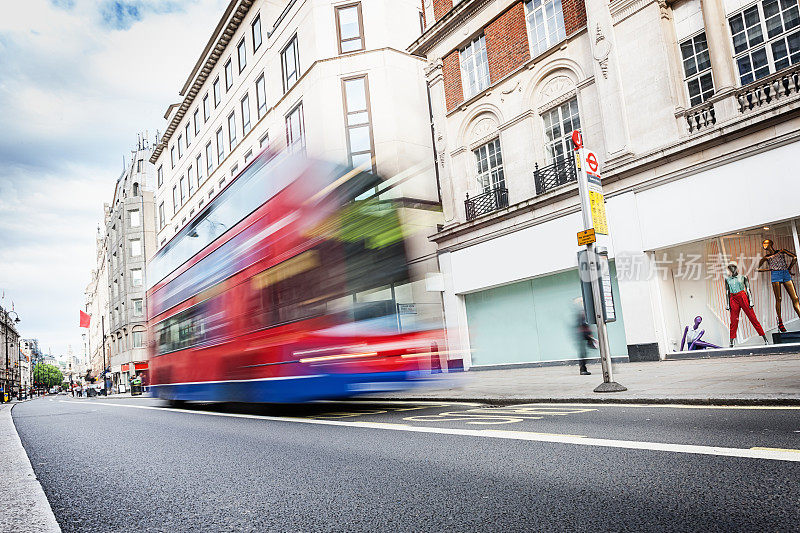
column 432, row 66
column 556, row 87
column 602, row 49
column 483, row 127
column 665, row 9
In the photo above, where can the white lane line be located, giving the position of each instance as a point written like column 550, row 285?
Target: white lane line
column 670, row 406
column 753, row 453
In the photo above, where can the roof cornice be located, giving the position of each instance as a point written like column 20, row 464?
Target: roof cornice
column 220, row 38
column 445, row 26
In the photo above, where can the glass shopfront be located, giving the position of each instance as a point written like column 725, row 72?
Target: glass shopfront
column 691, row 282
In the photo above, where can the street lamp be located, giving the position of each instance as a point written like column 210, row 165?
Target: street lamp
column 6, row 324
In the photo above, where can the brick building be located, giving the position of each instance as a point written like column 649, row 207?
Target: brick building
column 681, row 101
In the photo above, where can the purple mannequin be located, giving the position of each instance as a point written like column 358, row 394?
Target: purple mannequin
column 694, row 337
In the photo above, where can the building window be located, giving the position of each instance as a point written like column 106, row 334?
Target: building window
column 295, row 131
column 241, row 51
column 190, row 180
column 183, row 189
column 196, row 121
column 137, row 337
column 545, row 24
column 206, row 109
column 490, row 166
column 349, row 28
column 138, row 307
column 228, row 75
column 172, row 156
column 474, row 67
column 357, row 122
column 290, row 64
column 136, row 277
column 232, row 129
column 136, row 247
column 248, row 155
column 139, row 165
column 161, row 216
column 220, row 146
column 217, row 94
column 180, row 146
column 256, row 30
column 245, row 114
column 209, row 158
column 761, row 40
column 261, row 96
column 559, row 123
column 263, row 140
column 160, row 175
column 187, row 130
column 234, row 171
column 697, row 69
column 199, row 166
column 135, row 218
column 175, row 200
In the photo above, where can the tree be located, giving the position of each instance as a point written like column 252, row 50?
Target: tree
column 47, row 375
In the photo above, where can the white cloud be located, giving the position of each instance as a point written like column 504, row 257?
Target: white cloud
column 73, row 95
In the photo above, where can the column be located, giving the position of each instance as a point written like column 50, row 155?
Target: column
column 719, row 45
column 607, row 78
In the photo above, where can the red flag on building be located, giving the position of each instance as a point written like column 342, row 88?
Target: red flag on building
column 85, row 318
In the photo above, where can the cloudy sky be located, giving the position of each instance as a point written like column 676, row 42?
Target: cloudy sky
column 78, row 80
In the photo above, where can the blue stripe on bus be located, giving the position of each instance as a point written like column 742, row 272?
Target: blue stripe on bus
column 290, row 390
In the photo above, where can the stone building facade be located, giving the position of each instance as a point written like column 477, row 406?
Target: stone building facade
column 129, row 242
column 327, row 78
column 692, row 108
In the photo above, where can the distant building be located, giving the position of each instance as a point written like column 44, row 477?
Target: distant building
column 116, row 292
column 9, row 353
column 97, row 299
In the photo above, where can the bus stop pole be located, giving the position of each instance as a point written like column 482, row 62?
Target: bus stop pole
column 608, row 385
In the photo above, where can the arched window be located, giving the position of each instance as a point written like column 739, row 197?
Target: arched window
column 135, row 189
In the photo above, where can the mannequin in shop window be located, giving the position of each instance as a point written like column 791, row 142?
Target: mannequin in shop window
column 780, row 264
column 692, row 337
column 737, row 289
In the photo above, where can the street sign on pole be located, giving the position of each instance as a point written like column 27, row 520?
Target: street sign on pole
column 597, row 269
column 586, row 236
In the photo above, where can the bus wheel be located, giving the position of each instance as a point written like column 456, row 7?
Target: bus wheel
column 176, row 404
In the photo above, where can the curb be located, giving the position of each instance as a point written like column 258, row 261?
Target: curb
column 25, row 508
column 744, row 402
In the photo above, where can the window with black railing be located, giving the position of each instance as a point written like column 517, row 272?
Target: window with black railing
column 489, row 162
column 558, row 173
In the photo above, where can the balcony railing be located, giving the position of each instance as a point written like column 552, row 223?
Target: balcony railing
column 770, row 92
column 561, row 172
column 487, row 202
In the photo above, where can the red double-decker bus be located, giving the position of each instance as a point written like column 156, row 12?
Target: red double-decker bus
column 255, row 299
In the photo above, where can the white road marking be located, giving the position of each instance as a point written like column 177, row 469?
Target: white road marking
column 672, row 406
column 752, row 453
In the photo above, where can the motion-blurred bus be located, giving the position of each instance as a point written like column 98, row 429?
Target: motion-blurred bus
column 254, row 300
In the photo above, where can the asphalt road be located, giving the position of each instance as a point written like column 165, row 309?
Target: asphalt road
column 135, row 465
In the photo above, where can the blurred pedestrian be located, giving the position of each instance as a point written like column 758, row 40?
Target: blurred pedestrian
column 583, row 337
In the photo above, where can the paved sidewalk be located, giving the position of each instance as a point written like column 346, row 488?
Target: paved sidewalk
column 23, row 504
column 772, row 379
